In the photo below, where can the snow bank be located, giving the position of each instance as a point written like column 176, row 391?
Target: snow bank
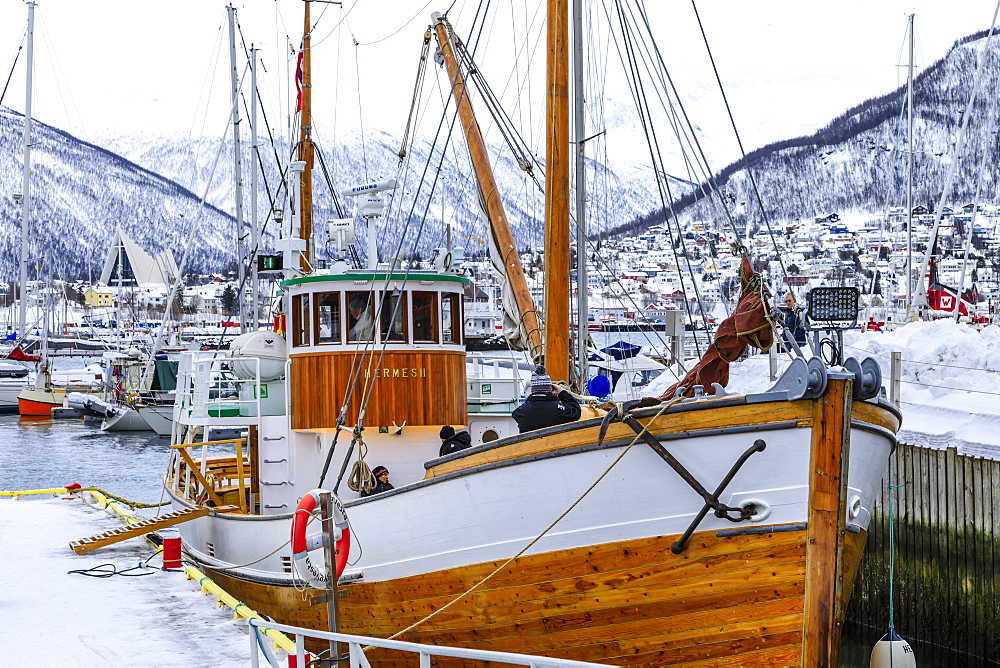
column 949, row 377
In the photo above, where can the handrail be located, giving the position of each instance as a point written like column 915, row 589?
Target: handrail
column 357, row 644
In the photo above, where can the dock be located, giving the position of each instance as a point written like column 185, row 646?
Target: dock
column 158, row 618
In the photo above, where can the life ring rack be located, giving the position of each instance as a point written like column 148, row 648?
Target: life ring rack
column 303, row 544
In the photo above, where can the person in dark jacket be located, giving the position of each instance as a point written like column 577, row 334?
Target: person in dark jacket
column 794, row 319
column 453, row 441
column 380, row 475
column 543, row 407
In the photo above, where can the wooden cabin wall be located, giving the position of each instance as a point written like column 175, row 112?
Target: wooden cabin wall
column 419, row 388
column 946, row 510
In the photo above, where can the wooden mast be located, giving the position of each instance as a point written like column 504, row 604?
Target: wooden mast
column 557, row 237
column 305, row 149
column 489, row 192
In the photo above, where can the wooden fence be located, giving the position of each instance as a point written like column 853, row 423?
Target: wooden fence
column 946, row 521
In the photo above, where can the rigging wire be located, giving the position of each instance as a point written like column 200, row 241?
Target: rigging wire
column 60, row 77
column 739, row 141
column 629, row 59
column 13, row 64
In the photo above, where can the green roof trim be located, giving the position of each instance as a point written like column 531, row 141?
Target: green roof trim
column 333, row 278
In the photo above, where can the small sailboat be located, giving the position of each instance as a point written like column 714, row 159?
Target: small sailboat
column 699, row 527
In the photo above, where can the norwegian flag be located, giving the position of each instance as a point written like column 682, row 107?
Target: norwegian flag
column 298, row 83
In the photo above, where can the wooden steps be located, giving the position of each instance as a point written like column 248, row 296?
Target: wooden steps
column 139, row 528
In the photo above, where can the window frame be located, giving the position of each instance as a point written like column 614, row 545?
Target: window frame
column 434, row 316
column 336, row 326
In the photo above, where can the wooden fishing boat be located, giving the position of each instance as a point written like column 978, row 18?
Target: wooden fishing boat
column 699, row 528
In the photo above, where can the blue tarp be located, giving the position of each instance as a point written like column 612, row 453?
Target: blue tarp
column 622, row 350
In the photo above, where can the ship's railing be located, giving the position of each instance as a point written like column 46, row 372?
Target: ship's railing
column 356, row 644
column 210, row 479
column 210, row 393
column 493, row 382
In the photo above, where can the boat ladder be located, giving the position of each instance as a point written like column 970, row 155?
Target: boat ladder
column 142, row 528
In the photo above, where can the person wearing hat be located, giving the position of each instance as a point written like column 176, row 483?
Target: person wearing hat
column 453, row 441
column 380, row 475
column 543, row 407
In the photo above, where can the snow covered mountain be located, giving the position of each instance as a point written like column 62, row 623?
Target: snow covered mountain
column 79, row 194
column 151, row 185
column 857, row 163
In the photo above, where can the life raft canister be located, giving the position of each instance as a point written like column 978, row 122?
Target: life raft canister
column 302, row 544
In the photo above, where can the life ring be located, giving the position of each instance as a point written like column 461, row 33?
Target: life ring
column 302, row 544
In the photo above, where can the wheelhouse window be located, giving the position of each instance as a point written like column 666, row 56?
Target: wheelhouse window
column 328, row 324
column 393, row 317
column 451, row 318
column 300, row 320
column 425, row 317
column 360, row 316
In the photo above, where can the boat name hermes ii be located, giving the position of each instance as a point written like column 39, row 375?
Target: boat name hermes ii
column 397, row 373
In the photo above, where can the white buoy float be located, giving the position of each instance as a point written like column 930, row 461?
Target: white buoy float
column 892, row 652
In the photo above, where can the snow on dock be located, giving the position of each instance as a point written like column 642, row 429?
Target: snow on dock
column 160, row 619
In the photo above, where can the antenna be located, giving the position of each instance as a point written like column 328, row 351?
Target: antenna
column 371, row 206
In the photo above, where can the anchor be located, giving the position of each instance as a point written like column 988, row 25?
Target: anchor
column 711, row 499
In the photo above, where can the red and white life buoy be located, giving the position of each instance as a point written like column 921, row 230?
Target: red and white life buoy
column 302, row 544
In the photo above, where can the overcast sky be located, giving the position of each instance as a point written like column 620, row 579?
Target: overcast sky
column 788, row 66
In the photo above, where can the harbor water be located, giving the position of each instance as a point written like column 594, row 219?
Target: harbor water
column 43, row 453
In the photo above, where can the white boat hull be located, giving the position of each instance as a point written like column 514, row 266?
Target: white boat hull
column 127, row 419
column 159, row 418
column 483, row 515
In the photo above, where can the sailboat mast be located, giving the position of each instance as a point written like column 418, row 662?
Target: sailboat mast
column 489, row 191
column 254, row 222
column 579, row 126
column 557, row 238
column 305, row 149
column 26, row 176
column 909, row 175
column 237, row 175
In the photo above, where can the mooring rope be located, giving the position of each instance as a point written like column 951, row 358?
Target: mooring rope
column 504, row 565
column 120, row 499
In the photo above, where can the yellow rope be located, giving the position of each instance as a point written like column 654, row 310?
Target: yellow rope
column 546, row 530
column 120, row 499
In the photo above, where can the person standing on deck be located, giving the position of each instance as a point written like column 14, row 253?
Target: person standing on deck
column 452, row 441
column 543, row 407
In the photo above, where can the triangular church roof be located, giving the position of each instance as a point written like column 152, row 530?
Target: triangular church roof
column 137, row 267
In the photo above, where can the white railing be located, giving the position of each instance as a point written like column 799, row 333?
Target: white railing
column 208, row 392
column 358, row 659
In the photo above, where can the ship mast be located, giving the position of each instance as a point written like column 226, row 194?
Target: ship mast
column 557, row 236
column 305, row 148
column 26, row 177
column 909, row 175
column 579, row 130
column 489, row 193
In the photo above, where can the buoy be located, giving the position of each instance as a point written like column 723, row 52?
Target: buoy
column 892, row 652
column 171, row 551
column 293, row 660
column 301, row 544
column 73, row 486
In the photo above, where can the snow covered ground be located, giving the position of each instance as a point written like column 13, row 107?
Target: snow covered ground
column 50, row 615
column 950, row 382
